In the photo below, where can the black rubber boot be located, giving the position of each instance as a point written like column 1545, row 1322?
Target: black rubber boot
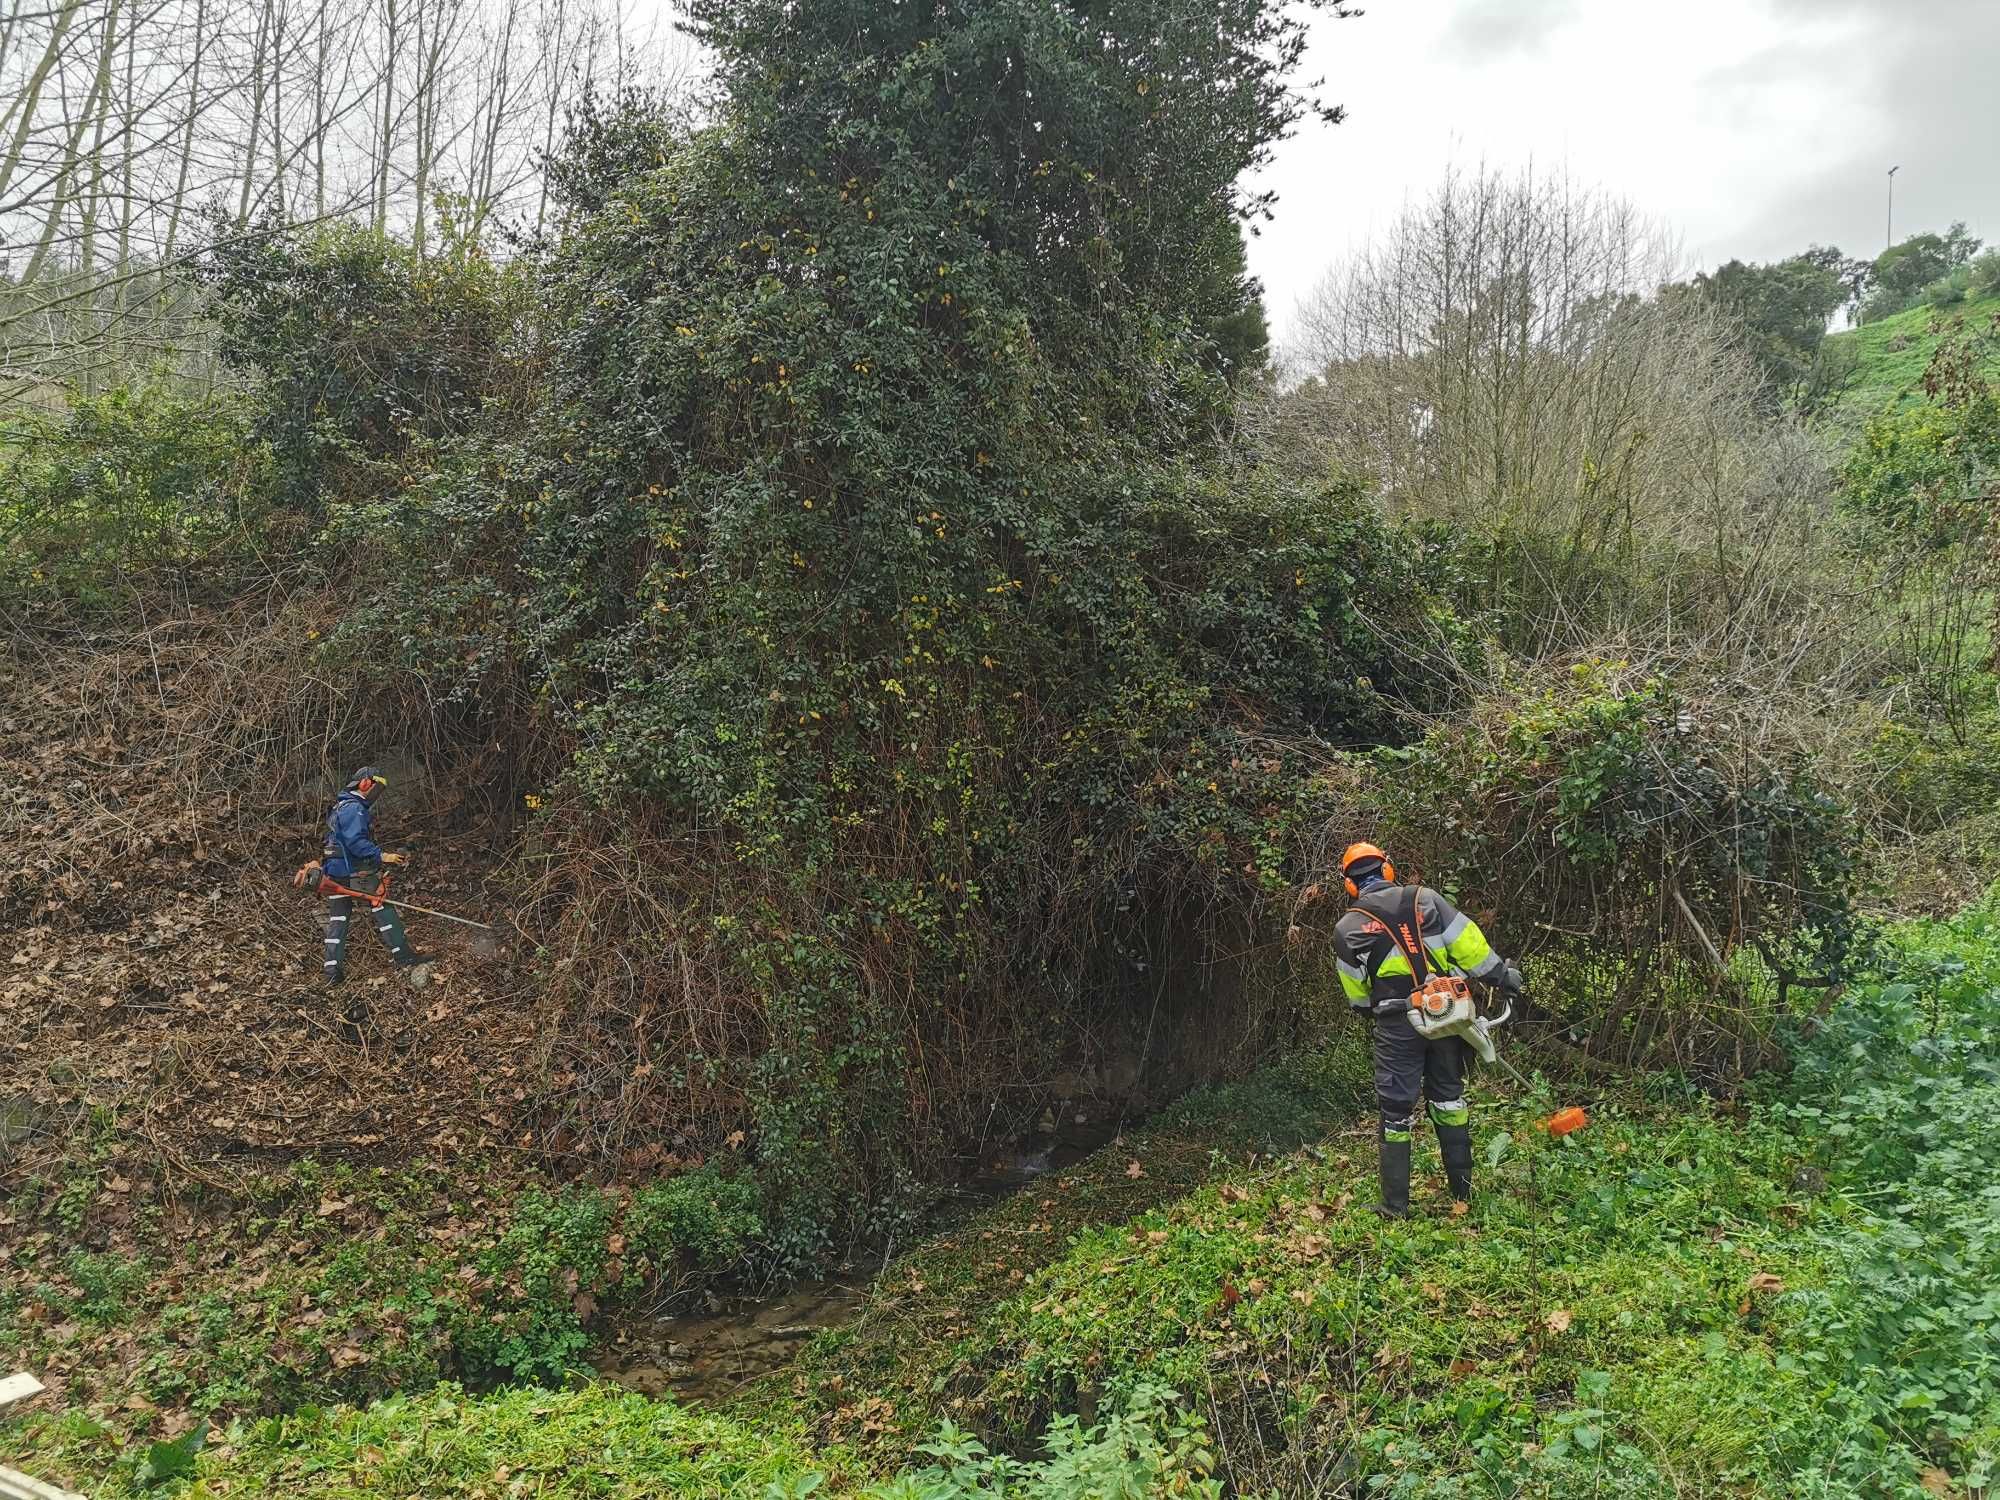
column 1395, row 1202
column 1455, row 1146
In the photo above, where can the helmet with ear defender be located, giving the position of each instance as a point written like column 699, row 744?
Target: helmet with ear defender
column 369, row 782
column 1354, row 855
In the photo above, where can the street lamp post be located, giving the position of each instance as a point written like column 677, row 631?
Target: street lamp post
column 1889, row 225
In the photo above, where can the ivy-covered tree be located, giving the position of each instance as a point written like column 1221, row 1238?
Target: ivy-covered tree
column 893, row 579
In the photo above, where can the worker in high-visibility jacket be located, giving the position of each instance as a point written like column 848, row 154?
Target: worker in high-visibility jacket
column 1373, row 945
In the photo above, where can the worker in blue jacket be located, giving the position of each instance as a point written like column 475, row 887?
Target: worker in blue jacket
column 352, row 858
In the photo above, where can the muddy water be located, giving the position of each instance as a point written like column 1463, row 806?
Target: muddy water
column 711, row 1356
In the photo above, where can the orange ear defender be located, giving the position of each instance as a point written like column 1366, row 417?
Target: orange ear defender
column 1355, row 854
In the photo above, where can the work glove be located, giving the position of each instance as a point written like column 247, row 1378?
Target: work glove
column 308, row 872
column 395, row 859
column 1510, row 981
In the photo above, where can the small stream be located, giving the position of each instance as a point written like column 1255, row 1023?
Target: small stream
column 712, row 1355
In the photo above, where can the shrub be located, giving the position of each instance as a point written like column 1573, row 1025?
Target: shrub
column 135, row 489
column 1949, row 291
column 1634, row 832
column 364, row 351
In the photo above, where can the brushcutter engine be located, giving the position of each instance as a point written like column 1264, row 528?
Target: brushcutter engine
column 1445, row 1006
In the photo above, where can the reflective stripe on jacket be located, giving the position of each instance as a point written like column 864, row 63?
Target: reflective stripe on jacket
column 1373, row 966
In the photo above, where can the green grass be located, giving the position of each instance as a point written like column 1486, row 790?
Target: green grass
column 594, row 1442
column 1891, row 355
column 602, row 1443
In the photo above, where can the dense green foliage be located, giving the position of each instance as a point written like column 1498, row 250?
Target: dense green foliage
column 1920, row 267
column 366, row 352
column 1783, row 309
column 124, row 493
column 1894, row 1100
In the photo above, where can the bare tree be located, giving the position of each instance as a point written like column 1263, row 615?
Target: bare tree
column 1502, row 363
column 120, row 120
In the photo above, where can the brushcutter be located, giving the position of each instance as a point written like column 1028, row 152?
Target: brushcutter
column 378, row 898
column 1445, row 1006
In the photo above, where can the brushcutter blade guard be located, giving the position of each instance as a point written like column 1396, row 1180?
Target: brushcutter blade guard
column 1567, row 1121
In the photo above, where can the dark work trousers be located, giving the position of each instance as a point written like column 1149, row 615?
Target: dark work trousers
column 1407, row 1065
column 343, row 911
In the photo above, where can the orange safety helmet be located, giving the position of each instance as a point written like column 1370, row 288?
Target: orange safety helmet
column 1354, row 855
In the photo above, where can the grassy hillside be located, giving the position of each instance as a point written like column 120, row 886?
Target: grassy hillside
column 1891, row 354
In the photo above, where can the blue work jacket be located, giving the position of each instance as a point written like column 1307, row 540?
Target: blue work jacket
column 348, row 846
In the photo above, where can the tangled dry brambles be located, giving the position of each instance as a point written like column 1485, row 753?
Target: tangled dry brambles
column 159, row 967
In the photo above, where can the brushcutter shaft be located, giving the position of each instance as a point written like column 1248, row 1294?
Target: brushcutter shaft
column 328, row 885
column 441, row 915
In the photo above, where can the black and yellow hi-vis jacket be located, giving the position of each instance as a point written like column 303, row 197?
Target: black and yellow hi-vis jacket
column 1375, row 969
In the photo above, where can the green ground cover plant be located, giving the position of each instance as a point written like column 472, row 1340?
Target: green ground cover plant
column 338, row 1283
column 602, row 1443
column 1891, row 354
column 1790, row 1295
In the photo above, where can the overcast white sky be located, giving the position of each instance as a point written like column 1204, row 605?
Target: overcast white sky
column 1751, row 127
